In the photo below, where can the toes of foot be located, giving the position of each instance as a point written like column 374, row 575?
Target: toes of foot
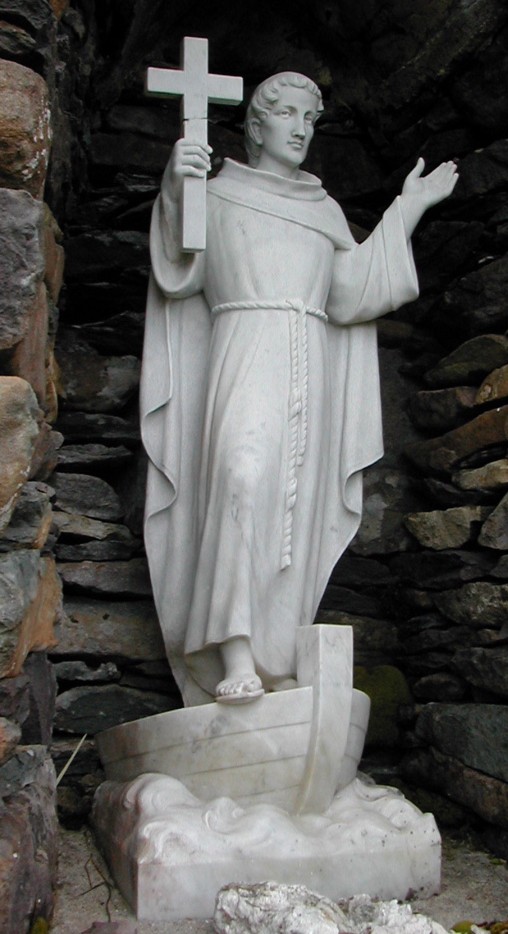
column 242, row 685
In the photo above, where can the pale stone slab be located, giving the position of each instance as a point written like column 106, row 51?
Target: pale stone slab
column 442, row 529
column 170, row 852
column 269, row 908
column 491, row 476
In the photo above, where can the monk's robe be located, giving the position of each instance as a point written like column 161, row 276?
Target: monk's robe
column 260, row 408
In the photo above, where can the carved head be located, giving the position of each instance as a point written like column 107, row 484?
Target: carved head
column 265, row 98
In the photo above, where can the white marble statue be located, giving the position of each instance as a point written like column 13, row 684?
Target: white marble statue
column 260, row 396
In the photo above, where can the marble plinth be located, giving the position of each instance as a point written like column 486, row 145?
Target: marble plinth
column 170, row 852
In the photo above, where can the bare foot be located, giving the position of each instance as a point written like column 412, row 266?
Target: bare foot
column 240, row 689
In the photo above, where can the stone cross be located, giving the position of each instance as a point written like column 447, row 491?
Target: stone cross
column 196, row 88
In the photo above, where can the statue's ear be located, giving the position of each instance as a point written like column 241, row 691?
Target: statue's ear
column 255, row 128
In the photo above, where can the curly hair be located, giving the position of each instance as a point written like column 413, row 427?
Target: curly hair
column 264, row 99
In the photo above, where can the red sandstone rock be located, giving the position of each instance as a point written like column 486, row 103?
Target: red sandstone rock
column 444, row 453
column 18, row 431
column 59, row 7
column 53, row 255
column 35, row 631
column 28, row 359
column 495, row 386
column 25, row 132
column 45, row 455
column 10, row 735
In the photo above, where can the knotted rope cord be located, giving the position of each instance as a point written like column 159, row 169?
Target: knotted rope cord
column 298, row 397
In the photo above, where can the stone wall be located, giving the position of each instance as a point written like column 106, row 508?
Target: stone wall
column 424, row 583
column 31, row 269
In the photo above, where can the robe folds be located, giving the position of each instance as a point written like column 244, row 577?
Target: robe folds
column 260, row 407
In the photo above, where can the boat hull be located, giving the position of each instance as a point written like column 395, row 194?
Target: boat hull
column 291, row 748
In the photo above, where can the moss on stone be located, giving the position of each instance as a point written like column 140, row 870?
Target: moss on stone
column 387, row 689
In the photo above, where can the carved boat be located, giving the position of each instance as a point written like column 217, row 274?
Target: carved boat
column 293, row 748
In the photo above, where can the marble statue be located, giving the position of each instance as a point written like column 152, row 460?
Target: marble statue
column 260, row 409
column 260, row 394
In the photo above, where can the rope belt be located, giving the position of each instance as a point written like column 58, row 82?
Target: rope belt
column 298, row 396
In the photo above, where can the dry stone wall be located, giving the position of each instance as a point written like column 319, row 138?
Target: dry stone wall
column 31, row 269
column 425, row 582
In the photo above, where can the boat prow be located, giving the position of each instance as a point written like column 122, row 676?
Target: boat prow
column 293, row 748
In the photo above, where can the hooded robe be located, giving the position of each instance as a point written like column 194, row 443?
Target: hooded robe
column 260, row 407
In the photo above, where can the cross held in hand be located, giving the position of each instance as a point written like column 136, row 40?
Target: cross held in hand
column 196, row 88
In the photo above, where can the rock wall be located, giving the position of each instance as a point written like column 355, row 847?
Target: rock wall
column 424, row 583
column 31, row 269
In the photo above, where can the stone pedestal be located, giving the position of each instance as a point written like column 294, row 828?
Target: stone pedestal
column 200, row 797
column 170, row 853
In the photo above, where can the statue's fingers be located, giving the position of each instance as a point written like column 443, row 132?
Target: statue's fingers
column 196, row 160
column 194, row 172
column 453, row 181
column 451, row 175
column 443, row 175
column 197, row 156
column 418, row 169
column 192, row 146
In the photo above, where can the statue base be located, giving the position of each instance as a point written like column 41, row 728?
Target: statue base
column 171, row 852
column 212, row 794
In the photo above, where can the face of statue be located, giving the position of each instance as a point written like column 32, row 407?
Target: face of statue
column 286, row 132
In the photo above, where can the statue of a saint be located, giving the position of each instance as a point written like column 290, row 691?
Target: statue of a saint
column 260, row 395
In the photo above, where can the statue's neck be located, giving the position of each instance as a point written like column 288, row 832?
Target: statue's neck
column 303, row 186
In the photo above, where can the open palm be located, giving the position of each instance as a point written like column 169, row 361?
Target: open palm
column 434, row 187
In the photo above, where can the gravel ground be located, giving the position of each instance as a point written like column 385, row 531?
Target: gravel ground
column 474, row 887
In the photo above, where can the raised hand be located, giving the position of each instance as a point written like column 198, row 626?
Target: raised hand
column 187, row 159
column 420, row 193
column 431, row 188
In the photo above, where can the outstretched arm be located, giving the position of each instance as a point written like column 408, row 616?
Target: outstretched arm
column 419, row 194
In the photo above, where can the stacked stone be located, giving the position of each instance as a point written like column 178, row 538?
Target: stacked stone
column 424, row 582
column 110, row 662
column 457, row 648
column 415, row 587
column 31, row 267
column 443, row 585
